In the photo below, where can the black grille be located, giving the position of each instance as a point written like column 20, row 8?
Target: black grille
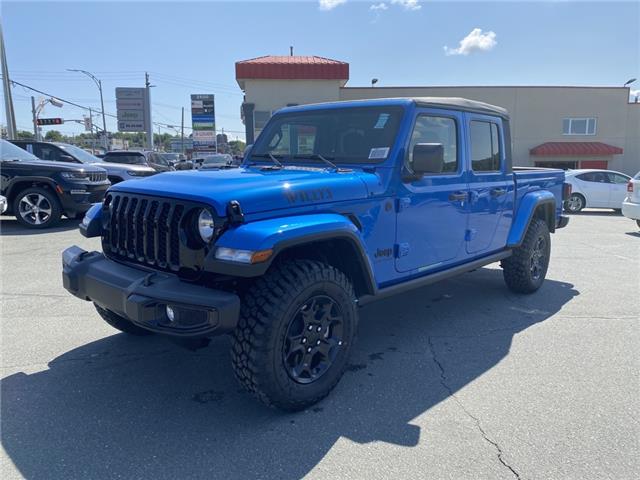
column 97, row 176
column 144, row 230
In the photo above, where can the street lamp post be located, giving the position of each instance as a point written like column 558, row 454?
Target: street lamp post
column 104, row 121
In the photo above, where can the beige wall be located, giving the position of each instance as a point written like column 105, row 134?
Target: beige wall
column 270, row 95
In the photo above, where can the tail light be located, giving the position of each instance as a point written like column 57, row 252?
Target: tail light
column 566, row 191
column 630, row 187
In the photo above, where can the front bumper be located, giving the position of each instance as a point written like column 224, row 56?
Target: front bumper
column 79, row 198
column 631, row 210
column 142, row 296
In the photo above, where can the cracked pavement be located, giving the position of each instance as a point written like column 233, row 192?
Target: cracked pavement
column 460, row 380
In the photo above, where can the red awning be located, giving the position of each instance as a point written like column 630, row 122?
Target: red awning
column 574, row 149
column 292, row 68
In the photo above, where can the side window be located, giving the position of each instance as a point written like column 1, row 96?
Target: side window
column 47, row 152
column 597, row 177
column 431, row 129
column 617, row 178
column 485, row 146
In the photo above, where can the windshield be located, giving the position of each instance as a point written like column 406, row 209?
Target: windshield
column 131, row 158
column 343, row 135
column 637, row 177
column 170, row 157
column 8, row 151
column 216, row 160
column 79, row 154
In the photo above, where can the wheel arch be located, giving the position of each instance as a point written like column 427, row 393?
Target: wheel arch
column 542, row 205
column 20, row 184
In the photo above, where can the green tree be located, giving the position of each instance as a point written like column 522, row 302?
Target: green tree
column 236, row 147
column 54, row 136
column 24, row 135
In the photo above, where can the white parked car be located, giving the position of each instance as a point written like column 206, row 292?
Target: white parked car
column 595, row 189
column 631, row 204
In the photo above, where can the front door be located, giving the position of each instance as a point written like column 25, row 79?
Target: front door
column 432, row 211
column 491, row 187
column 596, row 188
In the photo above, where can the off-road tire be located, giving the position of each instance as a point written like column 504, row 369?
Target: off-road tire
column 578, row 200
column 268, row 309
column 121, row 323
column 51, row 198
column 518, row 268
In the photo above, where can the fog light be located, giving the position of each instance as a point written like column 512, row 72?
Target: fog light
column 171, row 315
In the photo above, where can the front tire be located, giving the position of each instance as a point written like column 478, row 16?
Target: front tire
column 121, row 323
column 525, row 270
column 296, row 330
column 575, row 204
column 37, row 207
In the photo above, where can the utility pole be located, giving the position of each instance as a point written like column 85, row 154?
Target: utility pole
column 182, row 132
column 35, row 120
column 105, row 140
column 6, row 85
column 147, row 86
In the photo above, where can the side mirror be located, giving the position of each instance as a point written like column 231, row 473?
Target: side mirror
column 427, row 158
column 67, row 158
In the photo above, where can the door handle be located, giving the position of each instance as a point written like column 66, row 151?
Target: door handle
column 458, row 196
column 497, row 192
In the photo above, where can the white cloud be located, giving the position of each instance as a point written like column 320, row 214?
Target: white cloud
column 376, row 7
column 407, row 4
column 330, row 4
column 476, row 41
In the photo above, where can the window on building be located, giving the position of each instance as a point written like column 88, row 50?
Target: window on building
column 579, row 126
column 430, row 129
column 485, row 147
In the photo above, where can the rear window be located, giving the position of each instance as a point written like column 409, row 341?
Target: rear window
column 129, row 158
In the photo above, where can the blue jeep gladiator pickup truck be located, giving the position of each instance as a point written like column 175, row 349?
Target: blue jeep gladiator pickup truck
column 336, row 205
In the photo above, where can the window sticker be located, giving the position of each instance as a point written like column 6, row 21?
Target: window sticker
column 382, row 120
column 378, row 153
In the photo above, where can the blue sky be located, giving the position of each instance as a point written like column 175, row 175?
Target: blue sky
column 192, row 47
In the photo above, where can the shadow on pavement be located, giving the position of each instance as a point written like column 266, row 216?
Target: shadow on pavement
column 124, row 407
column 9, row 226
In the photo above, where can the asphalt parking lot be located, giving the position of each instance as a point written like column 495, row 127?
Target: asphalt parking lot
column 459, row 380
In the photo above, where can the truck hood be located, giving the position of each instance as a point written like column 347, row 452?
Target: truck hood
column 256, row 189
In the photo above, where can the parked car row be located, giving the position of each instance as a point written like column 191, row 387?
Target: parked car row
column 592, row 188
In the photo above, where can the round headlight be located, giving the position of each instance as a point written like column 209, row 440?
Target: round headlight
column 205, row 225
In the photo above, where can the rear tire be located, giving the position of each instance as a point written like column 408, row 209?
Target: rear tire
column 296, row 330
column 37, row 207
column 121, row 323
column 524, row 271
column 575, row 203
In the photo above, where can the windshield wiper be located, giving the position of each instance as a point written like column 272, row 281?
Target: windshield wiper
column 319, row 157
column 269, row 156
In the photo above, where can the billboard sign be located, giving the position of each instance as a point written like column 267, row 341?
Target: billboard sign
column 132, row 109
column 203, row 121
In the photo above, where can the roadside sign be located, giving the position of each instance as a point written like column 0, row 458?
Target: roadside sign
column 131, row 105
column 203, row 121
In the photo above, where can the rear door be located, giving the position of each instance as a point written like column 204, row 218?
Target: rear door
column 432, row 212
column 491, row 186
column 618, row 192
column 596, row 188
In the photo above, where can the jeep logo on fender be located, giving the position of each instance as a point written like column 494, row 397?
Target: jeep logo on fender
column 382, row 253
column 308, row 196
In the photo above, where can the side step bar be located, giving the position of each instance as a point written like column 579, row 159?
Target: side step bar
column 433, row 278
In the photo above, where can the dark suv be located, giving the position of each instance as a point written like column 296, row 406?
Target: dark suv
column 39, row 192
